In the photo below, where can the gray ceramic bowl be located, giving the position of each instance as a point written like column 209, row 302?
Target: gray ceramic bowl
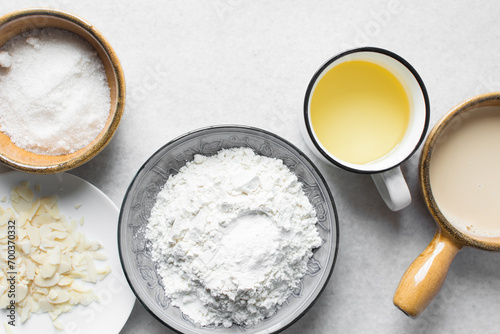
column 134, row 249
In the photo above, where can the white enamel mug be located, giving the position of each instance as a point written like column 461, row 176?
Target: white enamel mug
column 385, row 171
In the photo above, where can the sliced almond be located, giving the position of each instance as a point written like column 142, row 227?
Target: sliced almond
column 49, row 201
column 30, row 270
column 21, row 292
column 46, row 282
column 100, row 256
column 102, row 273
column 25, row 193
column 32, row 211
column 48, row 270
column 52, row 257
column 59, row 297
column 58, row 325
column 35, row 307
column 21, row 234
column 25, row 313
column 39, row 257
column 92, row 245
column 21, row 205
column 40, row 290
column 25, row 246
column 86, row 299
column 80, row 288
column 55, row 313
column 33, row 234
column 57, row 235
column 53, row 212
column 58, row 227
column 55, row 255
column 66, row 280
column 64, row 267
column 4, row 300
column 42, row 219
column 91, row 270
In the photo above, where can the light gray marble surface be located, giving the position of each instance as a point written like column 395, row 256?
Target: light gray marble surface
column 194, row 63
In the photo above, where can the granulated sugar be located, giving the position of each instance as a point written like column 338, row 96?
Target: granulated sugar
column 232, row 234
column 54, row 96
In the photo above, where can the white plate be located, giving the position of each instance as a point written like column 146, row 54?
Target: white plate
column 100, row 223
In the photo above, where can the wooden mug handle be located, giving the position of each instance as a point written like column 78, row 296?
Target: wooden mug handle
column 424, row 278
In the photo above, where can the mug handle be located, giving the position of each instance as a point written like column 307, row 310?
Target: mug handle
column 424, row 278
column 392, row 187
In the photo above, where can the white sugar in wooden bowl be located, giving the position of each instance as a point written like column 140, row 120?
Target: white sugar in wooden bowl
column 83, row 139
column 54, row 96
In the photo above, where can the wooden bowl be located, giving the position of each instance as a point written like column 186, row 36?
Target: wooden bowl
column 24, row 20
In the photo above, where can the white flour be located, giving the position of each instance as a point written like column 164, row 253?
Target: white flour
column 232, row 234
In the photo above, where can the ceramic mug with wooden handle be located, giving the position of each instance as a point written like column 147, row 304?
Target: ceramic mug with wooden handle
column 460, row 180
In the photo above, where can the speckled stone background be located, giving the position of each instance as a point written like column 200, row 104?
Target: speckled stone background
column 194, row 63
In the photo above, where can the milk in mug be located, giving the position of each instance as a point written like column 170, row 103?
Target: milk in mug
column 465, row 172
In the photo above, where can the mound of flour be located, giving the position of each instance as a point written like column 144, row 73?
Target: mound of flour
column 232, row 234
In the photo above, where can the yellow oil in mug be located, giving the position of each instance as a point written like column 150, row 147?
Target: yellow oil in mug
column 359, row 111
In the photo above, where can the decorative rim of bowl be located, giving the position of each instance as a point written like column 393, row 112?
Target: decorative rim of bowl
column 98, row 146
column 235, row 127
